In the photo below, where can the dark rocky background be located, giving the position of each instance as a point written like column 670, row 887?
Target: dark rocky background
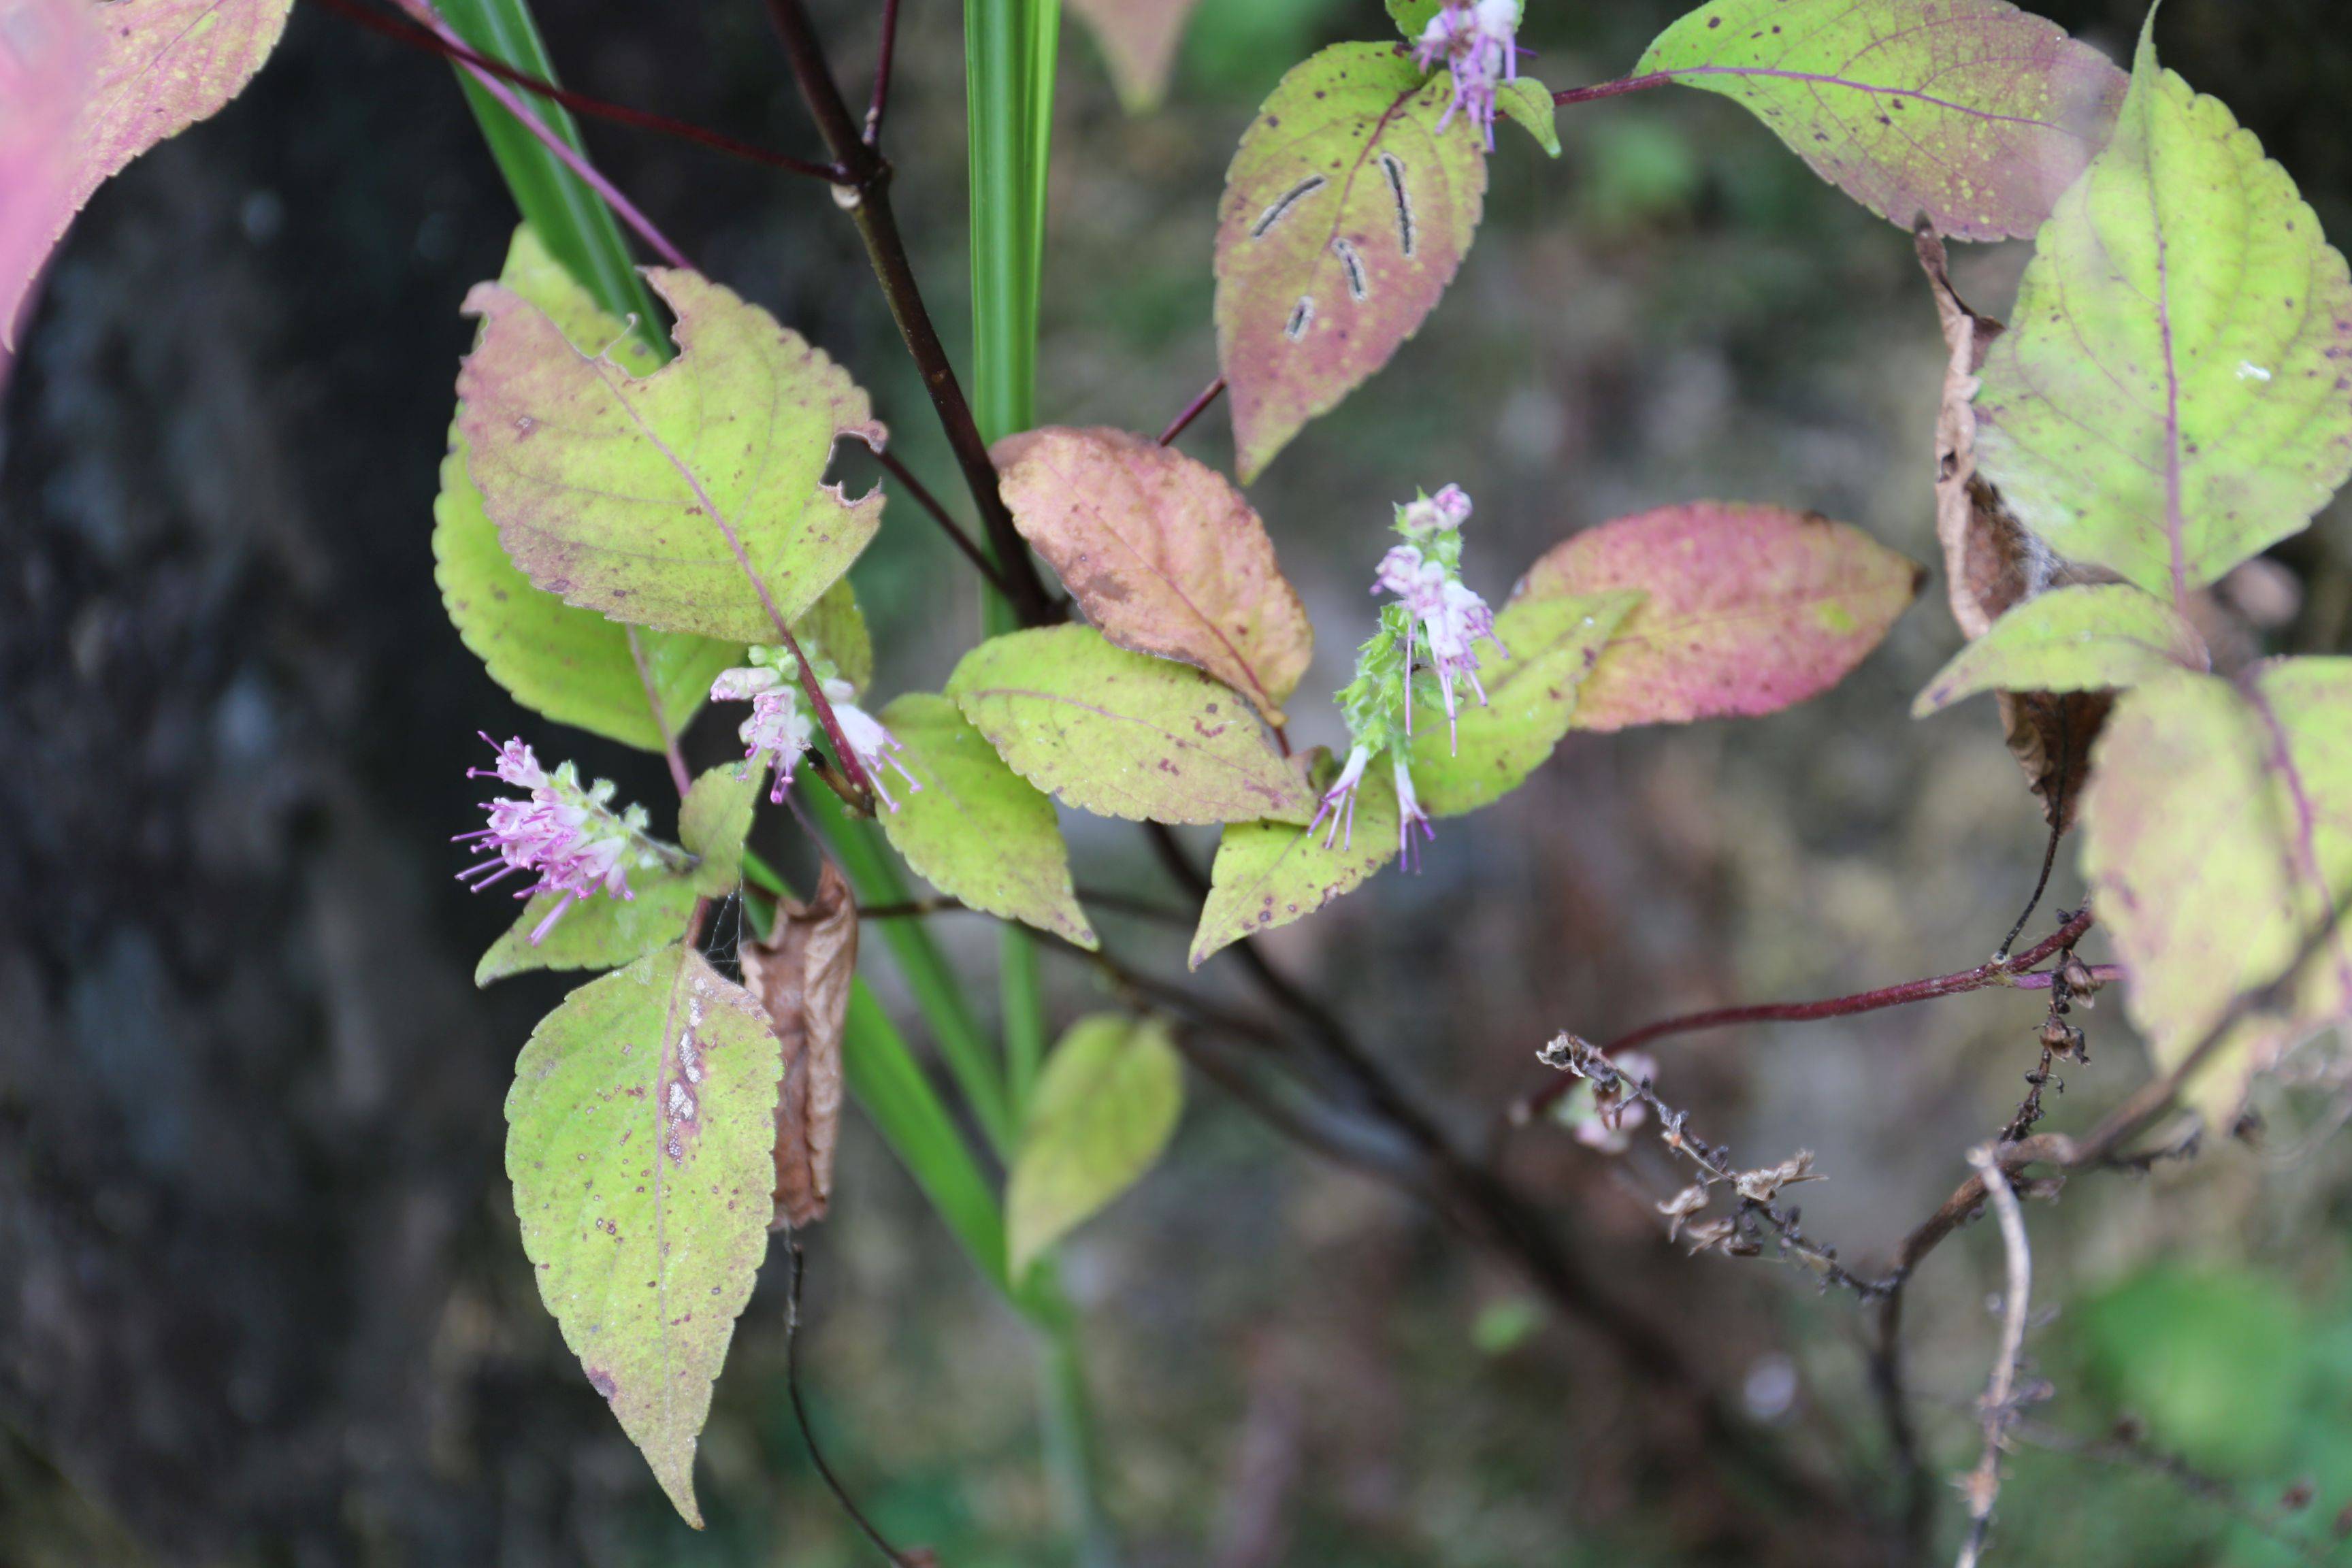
column 261, row 1299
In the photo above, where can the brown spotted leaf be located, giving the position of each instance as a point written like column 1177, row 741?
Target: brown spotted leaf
column 638, row 1138
column 160, row 66
column 802, row 975
column 1268, row 874
column 1750, row 609
column 1970, row 114
column 1346, row 214
column 1163, row 555
column 691, row 499
column 1139, row 39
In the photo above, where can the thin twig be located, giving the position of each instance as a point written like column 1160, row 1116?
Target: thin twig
column 1982, row 1485
column 800, row 1415
column 622, row 207
column 2009, row 971
column 1192, row 411
column 930, row 503
column 882, row 64
column 1142, row 908
column 2057, row 832
column 867, row 194
column 2125, row 1450
column 425, row 40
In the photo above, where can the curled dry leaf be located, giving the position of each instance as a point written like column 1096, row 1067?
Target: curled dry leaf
column 1750, row 609
column 1992, row 564
column 802, row 975
column 1163, row 553
column 156, row 67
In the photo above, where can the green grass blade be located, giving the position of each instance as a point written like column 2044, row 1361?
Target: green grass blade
column 578, row 229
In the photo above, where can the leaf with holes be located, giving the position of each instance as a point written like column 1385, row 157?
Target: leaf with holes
column 572, row 665
column 1346, row 214
column 1969, row 113
column 2072, row 639
column 1163, row 555
column 976, row 829
column 1124, row 734
column 154, row 69
column 1268, row 874
column 1750, row 609
column 641, row 1131
column 2171, row 398
column 2217, row 836
column 594, row 934
column 1139, row 39
column 690, row 499
column 1555, row 644
column 1105, row 1107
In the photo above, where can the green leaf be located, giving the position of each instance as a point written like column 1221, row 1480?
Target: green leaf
column 687, row 501
column 2218, row 837
column 1104, row 1110
column 1969, row 113
column 116, row 81
column 640, row 1136
column 1124, row 734
column 714, row 819
column 2071, row 640
column 975, row 829
column 2211, row 1360
column 2169, row 398
column 1528, row 102
column 574, row 666
column 1531, row 695
column 594, row 934
column 835, row 628
column 1346, row 214
column 1268, row 874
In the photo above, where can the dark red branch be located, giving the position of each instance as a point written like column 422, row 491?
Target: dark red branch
column 930, row 503
column 424, row 38
column 882, row 62
column 2000, row 972
column 1192, row 411
column 1617, row 89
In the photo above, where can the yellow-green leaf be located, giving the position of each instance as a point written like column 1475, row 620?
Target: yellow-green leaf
column 1105, row 1107
column 641, row 1128
column 1268, row 874
column 598, row 933
column 2071, row 640
column 713, row 821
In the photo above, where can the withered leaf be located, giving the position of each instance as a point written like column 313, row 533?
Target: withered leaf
column 801, row 976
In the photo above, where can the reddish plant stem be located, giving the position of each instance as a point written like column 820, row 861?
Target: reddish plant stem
column 1192, row 411
column 882, row 63
column 623, row 209
column 426, row 40
column 930, row 503
column 866, row 193
column 1617, row 89
column 2003, row 972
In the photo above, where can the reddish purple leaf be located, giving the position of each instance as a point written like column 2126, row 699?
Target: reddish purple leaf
column 1750, row 609
column 48, row 49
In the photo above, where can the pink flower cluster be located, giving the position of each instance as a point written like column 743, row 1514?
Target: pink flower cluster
column 779, row 730
column 1339, row 804
column 567, row 834
column 1478, row 40
column 1445, row 613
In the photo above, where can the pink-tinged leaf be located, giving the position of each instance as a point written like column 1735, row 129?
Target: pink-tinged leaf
column 1750, row 609
column 49, row 50
column 1163, row 555
column 1346, row 212
column 160, row 67
column 690, row 499
column 2217, row 838
column 1969, row 113
column 1139, row 39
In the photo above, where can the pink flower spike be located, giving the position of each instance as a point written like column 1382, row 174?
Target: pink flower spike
column 1453, row 505
column 873, row 744
column 569, row 836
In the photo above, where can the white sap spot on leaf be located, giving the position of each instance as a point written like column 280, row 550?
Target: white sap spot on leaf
column 2249, row 370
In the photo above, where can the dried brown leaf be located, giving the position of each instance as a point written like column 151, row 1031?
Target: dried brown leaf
column 801, row 976
column 1992, row 564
